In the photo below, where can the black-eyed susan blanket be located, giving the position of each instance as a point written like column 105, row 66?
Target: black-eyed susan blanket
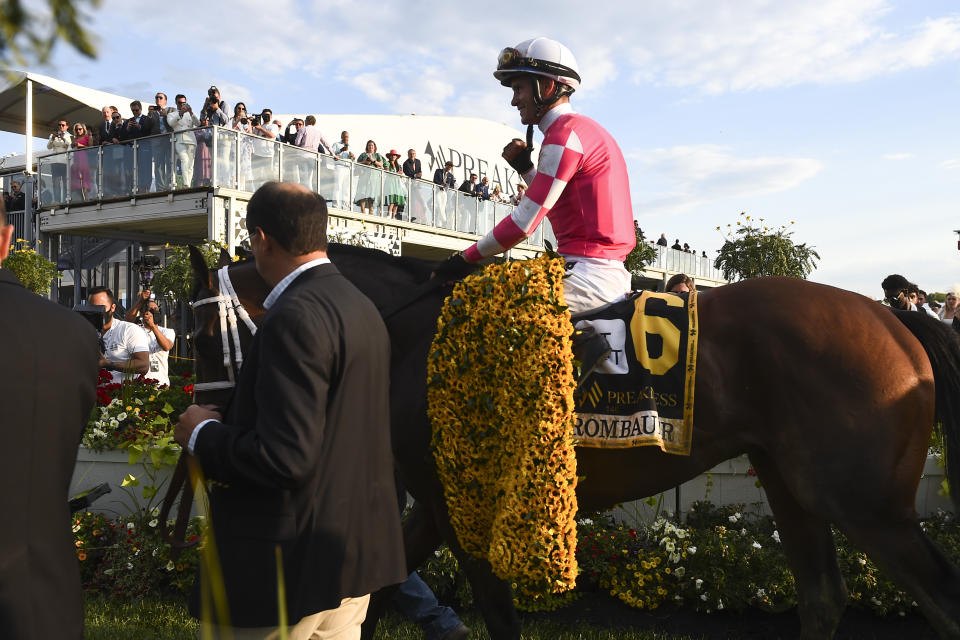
column 642, row 395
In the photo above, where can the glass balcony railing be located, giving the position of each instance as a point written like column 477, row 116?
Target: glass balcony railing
column 218, row 157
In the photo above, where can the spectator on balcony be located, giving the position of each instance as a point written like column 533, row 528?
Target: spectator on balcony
column 368, row 187
column 289, row 135
column 202, row 161
column 470, row 185
column 214, row 102
column 213, row 111
column 310, row 137
column 181, row 121
column 680, row 283
column 482, row 190
column 393, row 185
column 263, row 150
column 411, row 166
column 704, row 255
column 139, row 126
column 341, row 185
column 81, row 186
column 676, row 246
column 518, row 196
column 663, row 240
column 444, row 177
column 60, row 141
column 497, row 196
column 162, row 174
column 241, row 122
column 104, row 128
column 15, row 200
column 115, row 162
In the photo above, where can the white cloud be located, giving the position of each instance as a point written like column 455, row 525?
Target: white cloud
column 953, row 163
column 698, row 174
column 897, row 156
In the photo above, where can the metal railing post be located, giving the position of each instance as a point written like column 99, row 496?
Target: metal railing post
column 135, row 183
column 99, row 173
column 213, row 156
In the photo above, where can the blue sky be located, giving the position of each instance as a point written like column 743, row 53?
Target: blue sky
column 838, row 115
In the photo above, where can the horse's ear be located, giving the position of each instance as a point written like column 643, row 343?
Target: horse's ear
column 225, row 258
column 201, row 273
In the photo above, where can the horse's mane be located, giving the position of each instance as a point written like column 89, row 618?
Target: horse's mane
column 419, row 269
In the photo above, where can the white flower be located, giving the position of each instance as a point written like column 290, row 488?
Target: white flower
column 703, row 597
column 138, row 401
column 756, row 545
column 776, row 537
column 108, row 572
column 691, row 550
column 674, row 558
column 719, row 604
column 153, row 523
column 743, row 531
column 669, row 546
column 154, row 554
column 170, row 566
column 76, row 527
column 586, row 521
column 679, row 571
column 733, row 518
column 699, row 583
column 862, row 561
column 437, row 553
column 114, row 423
column 761, row 593
column 122, row 415
column 130, row 526
column 155, row 511
column 129, row 566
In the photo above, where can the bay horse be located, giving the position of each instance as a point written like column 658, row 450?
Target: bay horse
column 831, row 395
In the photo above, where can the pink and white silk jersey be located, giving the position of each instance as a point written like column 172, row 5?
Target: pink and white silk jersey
column 581, row 183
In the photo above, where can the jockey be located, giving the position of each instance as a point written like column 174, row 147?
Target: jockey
column 580, row 181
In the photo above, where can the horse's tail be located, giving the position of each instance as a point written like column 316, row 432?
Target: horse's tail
column 942, row 345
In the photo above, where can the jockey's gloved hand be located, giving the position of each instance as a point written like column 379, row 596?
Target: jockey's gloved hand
column 454, row 268
column 518, row 155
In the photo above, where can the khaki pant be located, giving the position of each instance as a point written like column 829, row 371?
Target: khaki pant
column 342, row 623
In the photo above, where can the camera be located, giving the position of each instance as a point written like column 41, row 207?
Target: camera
column 146, row 265
column 96, row 315
column 212, row 91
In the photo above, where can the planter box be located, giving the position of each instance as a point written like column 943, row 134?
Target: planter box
column 93, row 468
column 731, row 484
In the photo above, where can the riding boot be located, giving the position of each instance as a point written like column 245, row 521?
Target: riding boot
column 589, row 349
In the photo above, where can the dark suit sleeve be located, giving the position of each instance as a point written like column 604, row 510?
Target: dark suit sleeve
column 293, row 378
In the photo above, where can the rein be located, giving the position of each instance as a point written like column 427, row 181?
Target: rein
column 229, row 308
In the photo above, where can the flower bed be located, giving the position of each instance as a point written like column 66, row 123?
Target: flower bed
column 721, row 558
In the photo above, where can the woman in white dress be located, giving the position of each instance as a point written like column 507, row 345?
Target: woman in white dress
column 241, row 122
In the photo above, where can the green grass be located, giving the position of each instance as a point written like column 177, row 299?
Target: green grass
column 157, row 619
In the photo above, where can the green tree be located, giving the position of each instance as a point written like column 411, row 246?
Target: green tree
column 29, row 35
column 755, row 250
column 642, row 255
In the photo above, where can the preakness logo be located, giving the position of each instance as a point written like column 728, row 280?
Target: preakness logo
column 506, row 177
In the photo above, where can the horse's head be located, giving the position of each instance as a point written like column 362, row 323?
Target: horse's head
column 223, row 300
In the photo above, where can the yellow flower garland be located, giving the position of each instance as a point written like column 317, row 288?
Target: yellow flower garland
column 500, row 399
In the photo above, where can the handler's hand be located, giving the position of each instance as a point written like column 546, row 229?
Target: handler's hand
column 517, row 155
column 189, row 419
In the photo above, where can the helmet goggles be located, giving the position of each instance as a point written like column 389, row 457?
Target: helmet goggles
column 512, row 60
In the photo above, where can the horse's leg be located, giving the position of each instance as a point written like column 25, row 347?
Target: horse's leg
column 492, row 595
column 901, row 547
column 420, row 539
column 808, row 544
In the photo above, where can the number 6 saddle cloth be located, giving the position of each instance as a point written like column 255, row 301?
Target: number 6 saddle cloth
column 642, row 394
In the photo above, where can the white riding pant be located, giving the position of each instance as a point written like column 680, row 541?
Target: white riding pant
column 594, row 282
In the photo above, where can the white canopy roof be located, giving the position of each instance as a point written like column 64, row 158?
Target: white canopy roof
column 53, row 100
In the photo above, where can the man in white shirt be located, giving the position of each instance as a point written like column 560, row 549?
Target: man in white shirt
column 125, row 344
column 263, row 150
column 341, row 150
column 311, row 138
column 159, row 339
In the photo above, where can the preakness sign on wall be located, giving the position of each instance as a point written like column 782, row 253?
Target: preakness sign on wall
column 473, row 145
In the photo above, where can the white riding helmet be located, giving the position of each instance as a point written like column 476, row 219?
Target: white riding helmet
column 539, row 56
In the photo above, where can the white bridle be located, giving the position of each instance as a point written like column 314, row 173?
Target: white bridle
column 228, row 308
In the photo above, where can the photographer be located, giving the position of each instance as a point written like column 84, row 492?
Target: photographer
column 213, row 97
column 124, row 343
column 263, row 150
column 213, row 110
column 159, row 339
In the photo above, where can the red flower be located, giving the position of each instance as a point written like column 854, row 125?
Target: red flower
column 751, row 472
column 188, row 389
